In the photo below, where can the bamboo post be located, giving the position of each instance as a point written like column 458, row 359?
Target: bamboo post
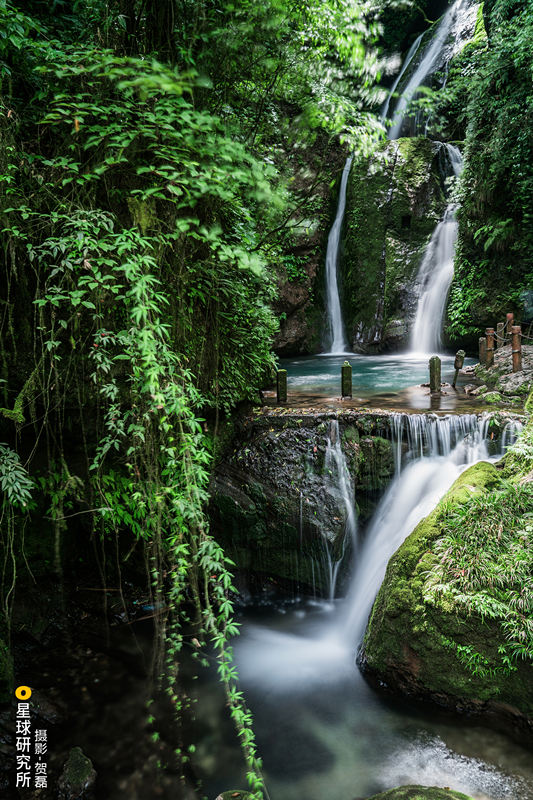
column 516, row 333
column 434, row 375
column 482, row 350
column 508, row 325
column 458, row 364
column 346, row 379
column 489, row 333
column 500, row 334
column 281, row 385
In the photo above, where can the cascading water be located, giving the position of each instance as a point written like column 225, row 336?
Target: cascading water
column 316, row 718
column 436, row 55
column 436, row 272
column 439, row 449
column 337, row 340
column 340, row 486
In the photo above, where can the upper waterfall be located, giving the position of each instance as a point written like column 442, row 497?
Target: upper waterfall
column 337, row 339
column 442, row 45
column 436, row 271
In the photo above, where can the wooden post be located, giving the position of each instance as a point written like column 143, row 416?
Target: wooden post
column 516, row 333
column 482, row 350
column 458, row 364
column 508, row 325
column 346, row 379
column 281, row 385
column 434, row 375
column 489, row 333
column 500, row 334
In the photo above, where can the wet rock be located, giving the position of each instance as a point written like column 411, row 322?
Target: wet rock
column 395, row 199
column 492, row 397
column 411, row 645
column 420, row 793
column 234, row 795
column 515, row 383
column 78, row 777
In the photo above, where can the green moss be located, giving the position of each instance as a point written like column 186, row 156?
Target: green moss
column 420, row 793
column 78, row 772
column 394, row 200
column 425, row 648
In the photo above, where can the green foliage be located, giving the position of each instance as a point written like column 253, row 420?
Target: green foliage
column 485, row 566
column 143, row 213
column 15, row 483
column 486, row 98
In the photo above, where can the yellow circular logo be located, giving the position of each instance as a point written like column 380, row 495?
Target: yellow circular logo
column 23, row 692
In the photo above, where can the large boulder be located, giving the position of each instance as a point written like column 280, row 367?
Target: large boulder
column 427, row 640
column 420, row 793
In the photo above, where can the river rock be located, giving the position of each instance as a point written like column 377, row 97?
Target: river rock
column 78, row 777
column 420, row 793
column 413, row 647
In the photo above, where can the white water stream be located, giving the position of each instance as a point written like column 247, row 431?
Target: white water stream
column 340, row 486
column 436, row 272
column 438, row 260
column 337, row 340
column 451, row 26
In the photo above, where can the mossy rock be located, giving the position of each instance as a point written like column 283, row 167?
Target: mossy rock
column 78, row 777
column 395, row 198
column 420, row 793
column 492, row 397
column 414, row 647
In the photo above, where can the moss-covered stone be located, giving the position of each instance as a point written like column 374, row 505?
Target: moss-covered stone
column 420, row 793
column 395, row 199
column 416, row 647
column 78, row 777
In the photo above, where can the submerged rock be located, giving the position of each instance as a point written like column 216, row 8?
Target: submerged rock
column 420, row 793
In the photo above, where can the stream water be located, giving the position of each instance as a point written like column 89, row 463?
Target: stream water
column 372, row 375
column 323, row 733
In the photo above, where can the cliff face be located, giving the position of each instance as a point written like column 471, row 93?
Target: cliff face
column 313, row 172
column 395, row 200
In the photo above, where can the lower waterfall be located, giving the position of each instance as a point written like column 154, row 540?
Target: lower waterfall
column 317, row 720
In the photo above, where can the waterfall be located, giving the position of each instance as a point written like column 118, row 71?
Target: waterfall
column 409, row 57
column 337, row 341
column 438, row 450
column 452, row 25
column 436, row 272
column 340, row 486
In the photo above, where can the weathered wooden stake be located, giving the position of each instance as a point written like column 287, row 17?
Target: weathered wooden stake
column 434, row 375
column 489, row 333
column 516, row 332
column 281, row 385
column 346, row 379
column 500, row 334
column 482, row 350
column 508, row 325
column 458, row 364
